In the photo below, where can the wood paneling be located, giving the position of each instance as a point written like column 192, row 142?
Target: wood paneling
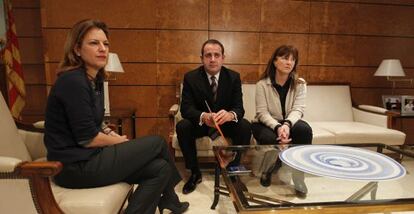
column 184, row 14
column 239, row 47
column 27, row 22
column 285, row 16
column 159, row 41
column 329, row 17
column 180, row 46
column 125, row 14
column 235, row 15
column 34, row 74
column 331, row 50
column 142, row 98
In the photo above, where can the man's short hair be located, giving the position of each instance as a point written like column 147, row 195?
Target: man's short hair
column 212, row 41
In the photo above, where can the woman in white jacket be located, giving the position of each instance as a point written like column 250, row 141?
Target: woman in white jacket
column 280, row 105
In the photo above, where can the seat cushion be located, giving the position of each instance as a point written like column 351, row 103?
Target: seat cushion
column 102, row 200
column 356, row 132
column 320, row 135
column 204, row 145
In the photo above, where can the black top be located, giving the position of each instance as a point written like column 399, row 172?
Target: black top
column 282, row 91
column 197, row 90
column 74, row 114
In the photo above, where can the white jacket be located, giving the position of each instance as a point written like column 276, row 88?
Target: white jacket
column 268, row 106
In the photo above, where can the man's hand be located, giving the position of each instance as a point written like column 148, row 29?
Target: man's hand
column 208, row 119
column 223, row 116
column 283, row 134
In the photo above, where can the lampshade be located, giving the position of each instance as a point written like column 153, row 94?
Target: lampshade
column 390, row 68
column 114, row 65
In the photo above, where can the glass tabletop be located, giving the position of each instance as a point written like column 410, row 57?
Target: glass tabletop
column 369, row 177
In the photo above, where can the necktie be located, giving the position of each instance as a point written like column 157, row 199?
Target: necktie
column 214, row 87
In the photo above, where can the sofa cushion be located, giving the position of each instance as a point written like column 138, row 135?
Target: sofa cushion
column 102, row 200
column 356, row 132
column 328, row 103
column 202, row 143
column 320, row 135
column 249, row 102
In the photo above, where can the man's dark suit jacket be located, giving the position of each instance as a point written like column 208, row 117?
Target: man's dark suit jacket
column 196, row 89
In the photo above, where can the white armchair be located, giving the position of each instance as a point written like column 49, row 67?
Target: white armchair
column 25, row 180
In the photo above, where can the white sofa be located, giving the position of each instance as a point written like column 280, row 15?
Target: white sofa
column 329, row 112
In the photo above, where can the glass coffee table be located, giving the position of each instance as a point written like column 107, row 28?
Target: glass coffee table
column 362, row 178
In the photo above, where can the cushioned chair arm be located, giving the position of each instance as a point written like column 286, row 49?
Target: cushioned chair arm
column 372, row 109
column 8, row 164
column 173, row 110
column 28, row 126
column 39, row 174
column 42, row 169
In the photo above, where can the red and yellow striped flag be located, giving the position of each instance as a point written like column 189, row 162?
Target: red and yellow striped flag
column 14, row 72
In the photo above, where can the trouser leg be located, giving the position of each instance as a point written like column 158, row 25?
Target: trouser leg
column 187, row 132
column 263, row 134
column 240, row 132
column 301, row 133
column 152, row 179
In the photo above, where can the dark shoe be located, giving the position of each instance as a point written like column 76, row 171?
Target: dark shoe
column 175, row 208
column 192, row 183
column 266, row 179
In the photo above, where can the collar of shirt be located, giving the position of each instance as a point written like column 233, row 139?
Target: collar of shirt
column 209, row 77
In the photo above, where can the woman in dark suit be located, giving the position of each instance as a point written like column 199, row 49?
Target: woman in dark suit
column 93, row 156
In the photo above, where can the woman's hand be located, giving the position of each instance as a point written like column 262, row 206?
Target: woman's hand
column 283, row 133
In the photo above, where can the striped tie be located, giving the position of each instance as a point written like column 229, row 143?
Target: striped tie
column 214, row 87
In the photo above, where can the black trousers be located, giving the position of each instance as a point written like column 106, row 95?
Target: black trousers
column 144, row 161
column 187, row 132
column 301, row 133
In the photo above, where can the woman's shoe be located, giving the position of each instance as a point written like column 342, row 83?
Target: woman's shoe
column 298, row 178
column 175, row 208
column 266, row 179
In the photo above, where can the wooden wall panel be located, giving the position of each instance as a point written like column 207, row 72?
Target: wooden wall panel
column 184, row 14
column 241, row 48
column 34, row 74
column 125, row 14
column 235, row 15
column 285, row 16
column 141, row 98
column 134, row 45
column 25, row 25
column 331, row 17
column 135, row 74
column 180, row 46
column 172, row 74
column 331, row 50
column 371, row 50
column 385, row 20
column 159, row 41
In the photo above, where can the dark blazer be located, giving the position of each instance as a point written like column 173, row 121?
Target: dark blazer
column 196, row 89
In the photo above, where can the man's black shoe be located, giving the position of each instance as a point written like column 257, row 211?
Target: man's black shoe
column 192, row 183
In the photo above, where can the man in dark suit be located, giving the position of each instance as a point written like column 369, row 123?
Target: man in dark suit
column 221, row 88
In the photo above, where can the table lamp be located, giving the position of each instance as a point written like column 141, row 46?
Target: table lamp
column 113, row 65
column 392, row 68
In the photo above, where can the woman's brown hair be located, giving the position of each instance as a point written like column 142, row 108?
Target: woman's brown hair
column 74, row 39
column 282, row 51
